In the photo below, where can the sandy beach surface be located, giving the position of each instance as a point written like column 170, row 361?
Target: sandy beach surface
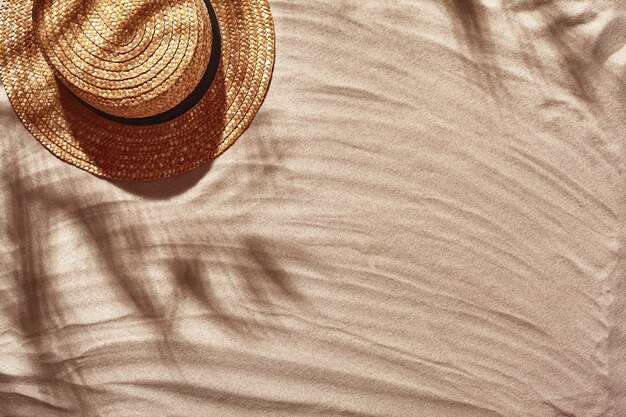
column 424, row 219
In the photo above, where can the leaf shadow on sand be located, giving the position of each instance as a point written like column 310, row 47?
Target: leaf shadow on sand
column 472, row 22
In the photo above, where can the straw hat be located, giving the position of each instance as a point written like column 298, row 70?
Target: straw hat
column 136, row 89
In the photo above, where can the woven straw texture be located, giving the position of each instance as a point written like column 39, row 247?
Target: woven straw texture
column 134, row 58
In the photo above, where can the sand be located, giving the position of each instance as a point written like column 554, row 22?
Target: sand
column 424, row 219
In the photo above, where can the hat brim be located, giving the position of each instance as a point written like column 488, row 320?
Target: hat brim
column 81, row 137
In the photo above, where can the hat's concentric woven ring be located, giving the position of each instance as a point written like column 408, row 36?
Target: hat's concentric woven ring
column 171, row 61
column 115, row 150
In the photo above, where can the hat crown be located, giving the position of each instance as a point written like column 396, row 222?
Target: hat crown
column 128, row 58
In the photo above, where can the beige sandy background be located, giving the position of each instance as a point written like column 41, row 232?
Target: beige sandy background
column 425, row 219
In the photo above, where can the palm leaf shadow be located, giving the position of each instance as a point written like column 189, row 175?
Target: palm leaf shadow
column 471, row 23
column 41, row 312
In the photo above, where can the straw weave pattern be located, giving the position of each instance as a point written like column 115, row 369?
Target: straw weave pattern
column 117, row 64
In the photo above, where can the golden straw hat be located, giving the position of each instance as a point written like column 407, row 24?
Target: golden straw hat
column 136, row 89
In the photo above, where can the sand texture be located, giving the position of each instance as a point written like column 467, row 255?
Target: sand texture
column 425, row 219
